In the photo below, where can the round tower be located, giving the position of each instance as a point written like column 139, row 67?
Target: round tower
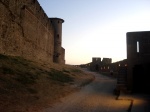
column 57, row 24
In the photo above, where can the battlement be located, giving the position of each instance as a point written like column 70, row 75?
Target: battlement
column 106, row 60
column 96, row 59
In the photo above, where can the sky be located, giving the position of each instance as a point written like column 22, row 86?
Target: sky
column 97, row 28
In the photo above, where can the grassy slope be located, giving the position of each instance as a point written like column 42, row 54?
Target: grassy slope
column 28, row 86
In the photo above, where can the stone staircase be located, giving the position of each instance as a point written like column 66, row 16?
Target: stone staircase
column 122, row 79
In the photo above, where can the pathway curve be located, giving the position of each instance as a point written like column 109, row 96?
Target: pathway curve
column 95, row 97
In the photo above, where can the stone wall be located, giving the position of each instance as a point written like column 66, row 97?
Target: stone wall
column 57, row 23
column 105, row 65
column 62, row 55
column 138, row 60
column 25, row 30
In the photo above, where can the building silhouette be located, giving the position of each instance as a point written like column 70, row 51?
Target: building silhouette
column 132, row 73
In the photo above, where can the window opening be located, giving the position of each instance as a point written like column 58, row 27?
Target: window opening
column 57, row 35
column 137, row 46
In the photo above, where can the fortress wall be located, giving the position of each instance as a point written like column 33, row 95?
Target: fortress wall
column 25, row 30
column 62, row 55
column 38, row 37
column 10, row 31
column 106, row 60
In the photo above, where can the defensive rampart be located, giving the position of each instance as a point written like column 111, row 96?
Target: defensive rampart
column 25, row 30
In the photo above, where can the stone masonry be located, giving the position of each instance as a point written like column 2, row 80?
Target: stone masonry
column 138, row 61
column 26, row 31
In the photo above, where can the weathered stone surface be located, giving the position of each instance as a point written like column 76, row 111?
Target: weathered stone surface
column 25, row 30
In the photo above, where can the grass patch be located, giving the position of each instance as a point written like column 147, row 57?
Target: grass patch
column 76, row 70
column 26, row 79
column 28, row 83
column 66, row 71
column 60, row 76
column 3, row 56
column 23, row 71
column 32, row 91
column 6, row 70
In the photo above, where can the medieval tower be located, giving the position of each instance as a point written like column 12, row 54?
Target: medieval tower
column 57, row 24
column 26, row 31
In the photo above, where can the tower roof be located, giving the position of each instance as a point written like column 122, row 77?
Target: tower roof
column 57, row 19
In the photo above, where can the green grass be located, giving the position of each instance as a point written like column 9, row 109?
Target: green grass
column 23, row 71
column 32, row 90
column 66, row 71
column 60, row 76
column 27, row 73
column 6, row 70
column 26, row 83
column 76, row 70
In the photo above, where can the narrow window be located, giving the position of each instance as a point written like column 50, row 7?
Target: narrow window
column 57, row 35
column 137, row 46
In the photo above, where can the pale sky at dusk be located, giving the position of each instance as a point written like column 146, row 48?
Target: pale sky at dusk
column 97, row 28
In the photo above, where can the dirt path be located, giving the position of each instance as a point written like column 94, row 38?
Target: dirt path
column 95, row 97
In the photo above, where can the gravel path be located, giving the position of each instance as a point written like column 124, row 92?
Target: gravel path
column 95, row 97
